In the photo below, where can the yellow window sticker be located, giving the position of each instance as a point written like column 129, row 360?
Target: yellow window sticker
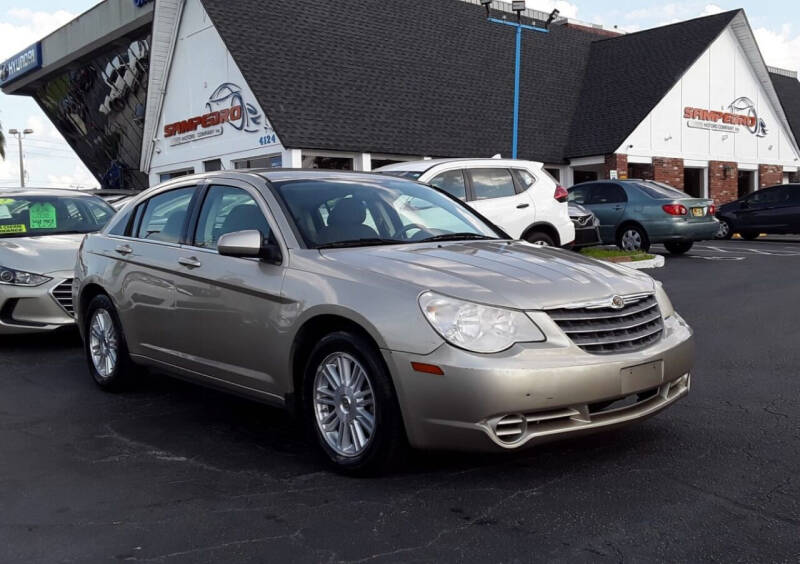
column 6, row 201
column 43, row 216
column 12, row 229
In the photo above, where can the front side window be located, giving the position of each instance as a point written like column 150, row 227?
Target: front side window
column 331, row 212
column 228, row 210
column 489, row 183
column 770, row 197
column 608, row 193
column 33, row 216
column 451, row 182
column 164, row 215
column 580, row 194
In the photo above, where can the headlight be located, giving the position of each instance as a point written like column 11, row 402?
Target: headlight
column 475, row 327
column 11, row 277
column 663, row 301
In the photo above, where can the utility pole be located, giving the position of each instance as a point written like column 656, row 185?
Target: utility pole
column 20, row 135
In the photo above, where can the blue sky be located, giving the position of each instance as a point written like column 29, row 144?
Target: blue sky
column 50, row 161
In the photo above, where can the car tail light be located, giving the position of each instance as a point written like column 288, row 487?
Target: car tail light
column 675, row 209
column 561, row 194
column 712, row 209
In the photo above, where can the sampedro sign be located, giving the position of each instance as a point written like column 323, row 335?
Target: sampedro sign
column 209, row 122
column 742, row 113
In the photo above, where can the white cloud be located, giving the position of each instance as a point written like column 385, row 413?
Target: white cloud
column 566, row 9
column 780, row 48
column 21, row 27
column 711, row 9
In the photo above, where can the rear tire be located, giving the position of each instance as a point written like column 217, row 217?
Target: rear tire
column 104, row 345
column 540, row 238
column 633, row 238
column 350, row 406
column 749, row 235
column 678, row 247
column 725, row 230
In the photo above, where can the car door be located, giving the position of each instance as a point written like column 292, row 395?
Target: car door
column 147, row 261
column 608, row 202
column 761, row 210
column 229, row 308
column 494, row 193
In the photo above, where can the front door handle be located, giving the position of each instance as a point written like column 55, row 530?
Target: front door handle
column 522, row 206
column 124, row 249
column 617, row 208
column 190, row 262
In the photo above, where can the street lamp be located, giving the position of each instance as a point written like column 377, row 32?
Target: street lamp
column 518, row 6
column 19, row 135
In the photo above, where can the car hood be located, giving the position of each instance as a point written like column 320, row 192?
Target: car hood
column 516, row 275
column 40, row 255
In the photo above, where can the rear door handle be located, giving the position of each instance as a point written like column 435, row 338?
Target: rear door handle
column 124, row 249
column 190, row 262
column 522, row 206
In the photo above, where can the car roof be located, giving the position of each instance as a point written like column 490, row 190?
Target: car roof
column 63, row 192
column 429, row 164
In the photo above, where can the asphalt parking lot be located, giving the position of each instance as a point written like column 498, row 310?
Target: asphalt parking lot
column 176, row 473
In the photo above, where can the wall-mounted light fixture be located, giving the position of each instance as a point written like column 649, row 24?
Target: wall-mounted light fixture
column 727, row 171
column 725, row 137
column 668, row 137
column 770, row 147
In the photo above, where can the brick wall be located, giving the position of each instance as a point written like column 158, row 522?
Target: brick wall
column 668, row 171
column 769, row 175
column 616, row 162
column 723, row 188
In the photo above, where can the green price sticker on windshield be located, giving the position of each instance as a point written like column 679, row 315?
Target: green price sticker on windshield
column 43, row 216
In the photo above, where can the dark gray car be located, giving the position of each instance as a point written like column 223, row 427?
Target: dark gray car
column 379, row 309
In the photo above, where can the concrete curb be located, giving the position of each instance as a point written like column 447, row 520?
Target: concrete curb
column 656, row 262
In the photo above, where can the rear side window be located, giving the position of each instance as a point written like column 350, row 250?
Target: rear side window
column 525, row 178
column 489, row 183
column 608, row 193
column 661, row 191
column 451, row 182
column 794, row 194
column 165, row 215
column 228, row 210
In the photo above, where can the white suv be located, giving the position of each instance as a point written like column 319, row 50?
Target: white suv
column 518, row 196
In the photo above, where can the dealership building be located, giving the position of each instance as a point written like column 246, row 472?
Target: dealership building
column 146, row 91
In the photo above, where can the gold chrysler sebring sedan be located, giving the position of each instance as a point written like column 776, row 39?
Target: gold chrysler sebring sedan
column 381, row 310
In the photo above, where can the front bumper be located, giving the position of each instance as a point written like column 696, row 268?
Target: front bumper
column 587, row 236
column 552, row 389
column 38, row 309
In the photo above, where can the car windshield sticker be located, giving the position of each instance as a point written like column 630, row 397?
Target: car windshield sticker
column 4, row 213
column 12, row 229
column 43, row 216
column 6, row 201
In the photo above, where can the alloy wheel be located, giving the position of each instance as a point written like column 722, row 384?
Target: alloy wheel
column 631, row 240
column 724, row 229
column 103, row 343
column 344, row 404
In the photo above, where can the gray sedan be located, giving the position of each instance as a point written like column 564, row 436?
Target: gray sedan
column 380, row 310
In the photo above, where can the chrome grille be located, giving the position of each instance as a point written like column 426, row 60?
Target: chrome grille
column 63, row 295
column 605, row 330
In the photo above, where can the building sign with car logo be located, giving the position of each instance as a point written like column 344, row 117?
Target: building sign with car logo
column 226, row 105
column 741, row 113
column 20, row 64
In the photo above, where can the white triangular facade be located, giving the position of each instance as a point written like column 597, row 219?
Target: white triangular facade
column 690, row 122
column 208, row 111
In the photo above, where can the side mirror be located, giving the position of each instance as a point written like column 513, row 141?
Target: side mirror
column 248, row 244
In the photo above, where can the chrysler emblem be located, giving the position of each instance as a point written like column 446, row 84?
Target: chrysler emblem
column 617, row 302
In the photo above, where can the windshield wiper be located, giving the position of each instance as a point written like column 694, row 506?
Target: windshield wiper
column 456, row 237
column 371, row 242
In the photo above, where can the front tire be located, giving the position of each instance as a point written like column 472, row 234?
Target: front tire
column 104, row 345
column 678, row 247
column 350, row 405
column 633, row 238
column 749, row 235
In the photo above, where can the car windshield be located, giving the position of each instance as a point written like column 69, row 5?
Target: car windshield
column 412, row 174
column 661, row 191
column 33, row 216
column 349, row 213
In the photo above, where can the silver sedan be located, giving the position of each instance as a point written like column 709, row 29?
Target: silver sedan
column 380, row 310
column 40, row 232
